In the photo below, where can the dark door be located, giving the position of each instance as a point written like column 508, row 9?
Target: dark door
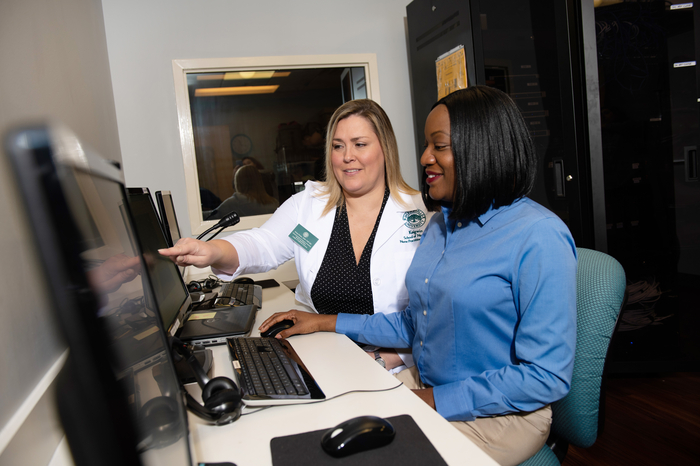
column 649, row 110
column 528, row 49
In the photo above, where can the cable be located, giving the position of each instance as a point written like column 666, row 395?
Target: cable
column 229, row 220
column 319, row 401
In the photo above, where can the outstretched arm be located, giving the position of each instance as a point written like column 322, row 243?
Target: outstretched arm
column 218, row 254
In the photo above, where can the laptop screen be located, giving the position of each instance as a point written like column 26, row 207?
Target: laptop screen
column 168, row 287
column 167, row 217
column 118, row 395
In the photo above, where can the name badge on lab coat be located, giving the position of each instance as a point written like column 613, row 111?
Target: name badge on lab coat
column 303, row 237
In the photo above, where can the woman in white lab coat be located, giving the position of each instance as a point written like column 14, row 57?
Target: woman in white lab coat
column 352, row 236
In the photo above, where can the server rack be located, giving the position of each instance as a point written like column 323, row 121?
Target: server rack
column 533, row 51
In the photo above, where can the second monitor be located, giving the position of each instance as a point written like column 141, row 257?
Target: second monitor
column 168, row 218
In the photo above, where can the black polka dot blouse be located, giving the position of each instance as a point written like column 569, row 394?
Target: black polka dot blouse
column 343, row 285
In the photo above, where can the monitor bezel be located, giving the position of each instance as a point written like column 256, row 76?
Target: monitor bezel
column 167, row 208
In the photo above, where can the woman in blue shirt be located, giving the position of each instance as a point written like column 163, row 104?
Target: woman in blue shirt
column 492, row 287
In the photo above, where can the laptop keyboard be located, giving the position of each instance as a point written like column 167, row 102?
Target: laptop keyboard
column 235, row 294
column 265, row 369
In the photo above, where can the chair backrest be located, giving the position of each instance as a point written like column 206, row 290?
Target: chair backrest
column 600, row 294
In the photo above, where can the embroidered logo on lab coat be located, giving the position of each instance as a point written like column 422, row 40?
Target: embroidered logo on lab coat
column 414, row 219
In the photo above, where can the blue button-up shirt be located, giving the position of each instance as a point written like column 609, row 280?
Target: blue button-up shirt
column 492, row 312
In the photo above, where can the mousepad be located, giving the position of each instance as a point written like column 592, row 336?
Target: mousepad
column 410, row 446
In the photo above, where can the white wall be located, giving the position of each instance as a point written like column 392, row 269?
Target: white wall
column 54, row 65
column 143, row 37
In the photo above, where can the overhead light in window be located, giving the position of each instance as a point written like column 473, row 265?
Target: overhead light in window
column 249, row 75
column 210, row 76
column 239, row 90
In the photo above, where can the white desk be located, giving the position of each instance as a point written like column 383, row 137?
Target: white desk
column 246, row 442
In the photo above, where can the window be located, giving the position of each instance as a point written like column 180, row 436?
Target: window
column 269, row 113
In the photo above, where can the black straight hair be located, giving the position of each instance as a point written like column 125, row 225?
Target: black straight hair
column 495, row 162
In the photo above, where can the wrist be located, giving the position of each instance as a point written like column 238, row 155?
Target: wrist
column 392, row 358
column 378, row 358
column 328, row 323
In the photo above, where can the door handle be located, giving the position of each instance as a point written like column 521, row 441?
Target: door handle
column 690, row 156
column 558, row 173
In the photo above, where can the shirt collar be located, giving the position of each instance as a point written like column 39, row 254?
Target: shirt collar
column 481, row 219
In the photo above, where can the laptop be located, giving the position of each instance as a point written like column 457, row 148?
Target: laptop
column 207, row 328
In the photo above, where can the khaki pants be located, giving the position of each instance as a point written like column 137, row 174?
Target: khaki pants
column 509, row 439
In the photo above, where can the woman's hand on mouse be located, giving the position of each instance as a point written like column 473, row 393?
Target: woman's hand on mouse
column 217, row 253
column 304, row 322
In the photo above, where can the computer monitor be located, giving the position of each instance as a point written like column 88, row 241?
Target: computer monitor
column 167, row 217
column 170, row 290
column 118, row 395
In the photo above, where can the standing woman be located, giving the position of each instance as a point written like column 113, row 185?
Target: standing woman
column 492, row 287
column 352, row 236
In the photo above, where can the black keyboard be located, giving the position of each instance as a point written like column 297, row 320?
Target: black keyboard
column 235, row 294
column 264, row 369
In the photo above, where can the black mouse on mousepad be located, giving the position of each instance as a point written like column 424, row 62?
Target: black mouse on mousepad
column 410, row 446
column 358, row 434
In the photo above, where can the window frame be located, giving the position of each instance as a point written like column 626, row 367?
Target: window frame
column 183, row 67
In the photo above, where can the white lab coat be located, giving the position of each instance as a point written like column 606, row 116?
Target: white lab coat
column 400, row 228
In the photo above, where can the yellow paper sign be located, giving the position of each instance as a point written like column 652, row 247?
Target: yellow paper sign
column 202, row 316
column 149, row 331
column 451, row 68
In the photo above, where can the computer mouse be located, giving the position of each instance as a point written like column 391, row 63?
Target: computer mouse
column 277, row 328
column 357, row 434
column 244, row 280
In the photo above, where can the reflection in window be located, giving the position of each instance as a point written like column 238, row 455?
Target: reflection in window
column 272, row 121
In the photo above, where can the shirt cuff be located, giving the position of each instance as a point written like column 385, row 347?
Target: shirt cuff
column 397, row 369
column 350, row 325
column 406, row 356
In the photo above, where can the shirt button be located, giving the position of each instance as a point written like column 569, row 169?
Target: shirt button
column 421, row 342
column 425, row 313
column 377, row 281
column 426, row 280
column 459, row 224
column 443, row 252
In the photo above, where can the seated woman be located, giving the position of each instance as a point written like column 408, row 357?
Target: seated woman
column 492, row 288
column 250, row 197
column 352, row 236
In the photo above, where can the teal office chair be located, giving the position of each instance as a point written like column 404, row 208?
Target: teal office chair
column 578, row 417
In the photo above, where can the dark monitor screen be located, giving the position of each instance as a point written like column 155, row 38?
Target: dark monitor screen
column 118, row 396
column 168, row 287
column 167, row 217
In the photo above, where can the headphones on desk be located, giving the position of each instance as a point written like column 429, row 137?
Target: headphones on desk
column 221, row 396
column 206, row 285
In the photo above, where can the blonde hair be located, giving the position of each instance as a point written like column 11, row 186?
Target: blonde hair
column 378, row 119
column 249, row 182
